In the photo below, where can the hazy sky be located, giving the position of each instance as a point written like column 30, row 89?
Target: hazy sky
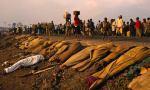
column 33, row 11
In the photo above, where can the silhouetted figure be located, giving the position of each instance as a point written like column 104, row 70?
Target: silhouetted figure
column 132, row 28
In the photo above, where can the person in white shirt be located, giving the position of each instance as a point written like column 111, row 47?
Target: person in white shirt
column 119, row 24
column 29, row 61
column 113, row 27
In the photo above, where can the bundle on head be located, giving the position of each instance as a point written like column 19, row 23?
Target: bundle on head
column 67, row 15
column 76, row 13
column 130, row 57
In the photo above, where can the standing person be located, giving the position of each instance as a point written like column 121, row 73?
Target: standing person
column 33, row 29
column 39, row 29
column 83, row 27
column 128, row 32
column 30, row 29
column 17, row 30
column 138, row 27
column 147, row 32
column 67, row 17
column 124, row 31
column 119, row 24
column 99, row 26
column 105, row 27
column 14, row 28
column 77, row 24
column 132, row 28
column 68, row 29
column 144, row 27
column 0, row 34
column 92, row 26
column 51, row 27
column 113, row 27
column 25, row 27
column 46, row 29
column 88, row 29
column 61, row 28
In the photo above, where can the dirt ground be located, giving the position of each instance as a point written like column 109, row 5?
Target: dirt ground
column 72, row 79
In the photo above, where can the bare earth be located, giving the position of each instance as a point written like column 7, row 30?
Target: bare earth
column 72, row 80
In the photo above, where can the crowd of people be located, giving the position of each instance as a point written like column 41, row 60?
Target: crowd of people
column 112, row 27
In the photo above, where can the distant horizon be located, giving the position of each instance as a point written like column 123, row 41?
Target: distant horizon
column 34, row 11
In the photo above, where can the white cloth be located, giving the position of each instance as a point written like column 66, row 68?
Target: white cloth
column 25, row 62
column 113, row 26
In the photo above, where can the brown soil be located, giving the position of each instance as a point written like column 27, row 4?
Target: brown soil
column 72, row 79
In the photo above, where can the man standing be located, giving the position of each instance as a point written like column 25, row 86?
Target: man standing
column 68, row 29
column 138, row 27
column 106, row 27
column 92, row 26
column 144, row 27
column 119, row 24
column 113, row 27
column 67, row 17
column 132, row 27
column 77, row 23
column 52, row 27
column 147, row 32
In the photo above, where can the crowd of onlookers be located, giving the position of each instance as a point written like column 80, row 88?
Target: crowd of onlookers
column 87, row 28
column 121, row 28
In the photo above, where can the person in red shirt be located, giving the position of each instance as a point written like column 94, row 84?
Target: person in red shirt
column 76, row 21
column 138, row 27
column 77, row 30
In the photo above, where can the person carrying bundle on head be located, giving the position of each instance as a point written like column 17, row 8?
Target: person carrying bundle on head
column 67, row 17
